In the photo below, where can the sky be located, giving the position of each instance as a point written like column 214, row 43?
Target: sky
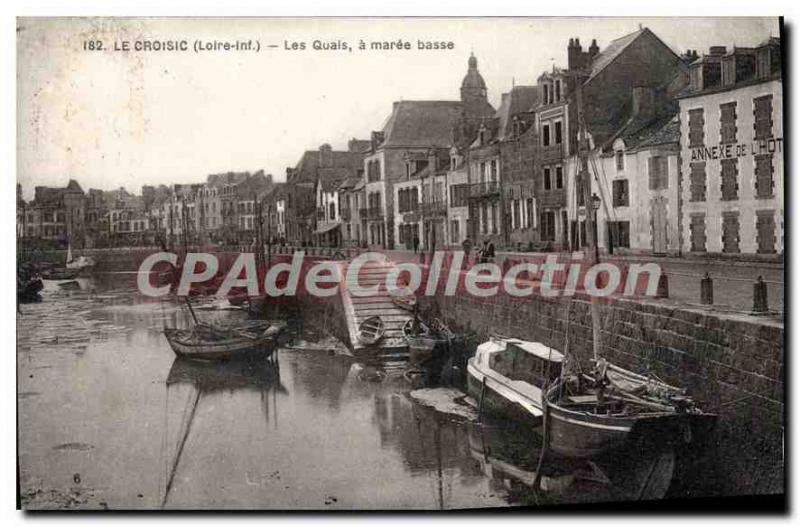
column 126, row 118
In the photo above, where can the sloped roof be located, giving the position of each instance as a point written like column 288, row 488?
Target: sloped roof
column 612, row 51
column 229, row 178
column 519, row 100
column 669, row 133
column 349, row 183
column 308, row 167
column 421, row 123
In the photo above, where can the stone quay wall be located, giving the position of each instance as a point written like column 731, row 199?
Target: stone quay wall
column 732, row 365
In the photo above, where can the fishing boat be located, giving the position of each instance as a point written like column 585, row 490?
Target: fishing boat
column 590, row 415
column 594, row 414
column 508, row 376
column 371, row 330
column 428, row 343
column 211, row 342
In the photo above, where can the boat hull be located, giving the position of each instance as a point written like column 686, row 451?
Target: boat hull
column 496, row 399
column 234, row 349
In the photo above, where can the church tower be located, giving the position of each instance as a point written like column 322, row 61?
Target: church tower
column 473, row 88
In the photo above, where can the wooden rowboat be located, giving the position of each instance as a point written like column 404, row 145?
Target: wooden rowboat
column 371, row 330
column 208, row 342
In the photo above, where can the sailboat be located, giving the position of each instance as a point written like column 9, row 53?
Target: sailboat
column 79, row 263
column 589, row 415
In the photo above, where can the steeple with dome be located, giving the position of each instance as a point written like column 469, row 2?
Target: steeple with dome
column 473, row 87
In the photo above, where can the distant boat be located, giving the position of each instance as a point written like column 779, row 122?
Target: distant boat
column 371, row 330
column 209, row 342
column 60, row 274
column 79, row 263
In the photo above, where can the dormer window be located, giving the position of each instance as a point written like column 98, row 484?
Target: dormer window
column 558, row 90
column 546, row 93
column 482, row 137
column 620, row 160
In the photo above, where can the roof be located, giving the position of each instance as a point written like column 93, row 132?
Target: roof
column 421, row 123
column 520, row 99
column 612, row 51
column 349, row 183
column 307, row 169
column 669, row 133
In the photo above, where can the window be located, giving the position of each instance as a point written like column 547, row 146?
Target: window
column 658, row 168
column 728, row 176
column 548, row 222
column 546, row 135
column 619, row 233
column 546, row 93
column 764, row 183
column 332, row 211
column 558, row 91
column 697, row 182
column 730, row 232
column 558, row 132
column 696, row 128
column 620, row 160
column 762, row 115
column 455, row 234
column 485, row 217
column 494, row 170
column 458, row 195
column 765, row 231
column 494, row 218
column 547, row 183
column 517, row 216
column 559, row 177
column 529, row 212
column 727, row 123
column 619, row 190
column 697, row 229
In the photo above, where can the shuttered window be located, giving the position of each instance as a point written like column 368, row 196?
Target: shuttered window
column 764, row 180
column 658, row 170
column 762, row 117
column 696, row 128
column 727, row 123
column 697, row 182
column 697, row 229
column 729, row 177
column 765, row 231
column 730, row 232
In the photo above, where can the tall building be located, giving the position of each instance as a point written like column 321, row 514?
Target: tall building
column 731, row 119
column 401, row 149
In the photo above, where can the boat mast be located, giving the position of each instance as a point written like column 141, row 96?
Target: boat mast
column 586, row 188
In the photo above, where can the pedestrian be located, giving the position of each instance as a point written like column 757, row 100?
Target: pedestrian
column 467, row 246
column 483, row 252
column 490, row 251
column 416, row 243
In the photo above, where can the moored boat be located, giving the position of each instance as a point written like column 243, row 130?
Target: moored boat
column 209, row 342
column 371, row 330
column 593, row 414
column 508, row 376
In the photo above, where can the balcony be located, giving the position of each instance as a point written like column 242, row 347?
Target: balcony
column 372, row 213
column 486, row 189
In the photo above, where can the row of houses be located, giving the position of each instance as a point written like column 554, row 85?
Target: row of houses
column 222, row 210
column 685, row 156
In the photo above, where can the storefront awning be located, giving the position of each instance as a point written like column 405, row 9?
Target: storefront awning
column 327, row 227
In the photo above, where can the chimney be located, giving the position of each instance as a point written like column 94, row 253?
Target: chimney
column 593, row 49
column 325, row 156
column 375, row 140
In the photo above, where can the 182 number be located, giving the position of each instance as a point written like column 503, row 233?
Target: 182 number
column 92, row 45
